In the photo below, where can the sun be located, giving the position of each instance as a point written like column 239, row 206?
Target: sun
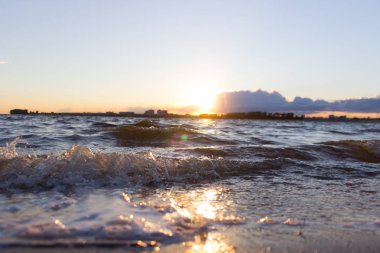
column 203, row 96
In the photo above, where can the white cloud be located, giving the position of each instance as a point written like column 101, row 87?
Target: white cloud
column 246, row 101
column 3, row 62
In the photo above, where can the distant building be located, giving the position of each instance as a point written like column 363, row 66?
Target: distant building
column 19, row 111
column 127, row 114
column 149, row 113
column 337, row 117
column 289, row 115
column 162, row 113
column 110, row 113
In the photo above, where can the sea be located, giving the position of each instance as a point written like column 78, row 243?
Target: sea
column 118, row 184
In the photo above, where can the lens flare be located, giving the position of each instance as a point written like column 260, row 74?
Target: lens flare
column 184, row 137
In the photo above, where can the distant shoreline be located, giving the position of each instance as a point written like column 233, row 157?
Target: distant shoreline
column 228, row 116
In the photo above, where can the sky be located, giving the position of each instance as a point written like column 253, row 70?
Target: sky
column 93, row 55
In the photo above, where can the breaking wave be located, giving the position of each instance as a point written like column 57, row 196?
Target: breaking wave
column 80, row 167
column 9, row 151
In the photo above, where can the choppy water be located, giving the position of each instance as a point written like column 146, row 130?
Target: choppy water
column 96, row 183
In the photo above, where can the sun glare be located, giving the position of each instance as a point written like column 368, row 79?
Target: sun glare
column 203, row 96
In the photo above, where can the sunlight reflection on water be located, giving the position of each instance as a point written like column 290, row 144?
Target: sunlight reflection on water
column 205, row 205
column 202, row 204
column 213, row 243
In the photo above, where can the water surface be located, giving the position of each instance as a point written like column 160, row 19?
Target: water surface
column 187, row 185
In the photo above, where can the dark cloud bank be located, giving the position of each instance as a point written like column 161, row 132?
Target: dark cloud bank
column 247, row 101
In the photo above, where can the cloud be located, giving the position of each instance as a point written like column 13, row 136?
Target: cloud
column 242, row 101
column 245, row 101
column 3, row 62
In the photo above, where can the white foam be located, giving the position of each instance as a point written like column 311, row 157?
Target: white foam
column 80, row 166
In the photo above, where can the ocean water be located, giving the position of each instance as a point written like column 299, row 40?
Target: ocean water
column 94, row 184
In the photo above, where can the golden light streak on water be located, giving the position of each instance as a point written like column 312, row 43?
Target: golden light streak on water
column 207, row 206
column 195, row 205
column 203, row 206
column 211, row 243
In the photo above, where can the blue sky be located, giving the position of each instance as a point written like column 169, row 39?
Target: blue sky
column 111, row 55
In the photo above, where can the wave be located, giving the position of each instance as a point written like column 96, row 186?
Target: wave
column 9, row 151
column 151, row 133
column 256, row 151
column 147, row 123
column 370, row 130
column 367, row 151
column 300, row 154
column 153, row 136
column 341, row 132
column 362, row 150
column 103, row 124
column 80, row 166
column 211, row 152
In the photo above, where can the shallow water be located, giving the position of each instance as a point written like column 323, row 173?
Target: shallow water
column 187, row 185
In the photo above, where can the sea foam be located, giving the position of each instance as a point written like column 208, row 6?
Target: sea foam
column 80, row 166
